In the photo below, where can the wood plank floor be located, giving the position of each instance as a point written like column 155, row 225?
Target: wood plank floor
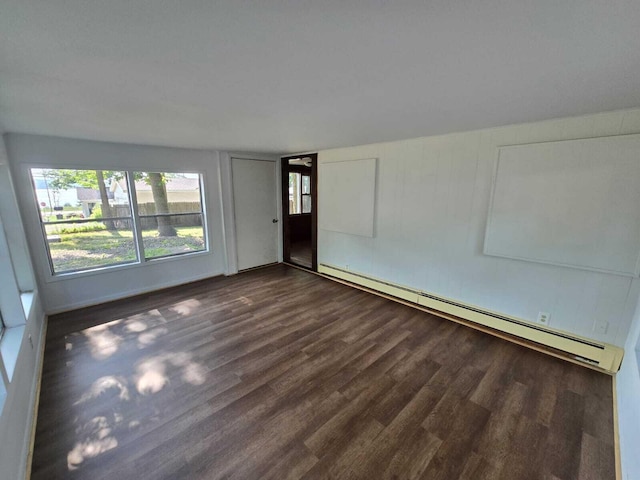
column 301, row 253
column 280, row 374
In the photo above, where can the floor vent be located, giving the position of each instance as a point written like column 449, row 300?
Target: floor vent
column 556, row 342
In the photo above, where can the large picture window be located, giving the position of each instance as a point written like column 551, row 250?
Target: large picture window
column 88, row 221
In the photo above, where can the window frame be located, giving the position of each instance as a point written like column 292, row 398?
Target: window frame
column 140, row 261
column 303, row 173
column 138, row 223
column 43, row 226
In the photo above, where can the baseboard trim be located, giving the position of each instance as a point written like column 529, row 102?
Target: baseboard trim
column 616, row 430
column 258, row 267
column 132, row 293
column 414, row 299
column 36, row 398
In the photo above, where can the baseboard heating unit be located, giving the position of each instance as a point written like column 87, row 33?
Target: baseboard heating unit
column 591, row 353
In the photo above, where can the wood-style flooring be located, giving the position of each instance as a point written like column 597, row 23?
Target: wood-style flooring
column 301, row 253
column 280, row 374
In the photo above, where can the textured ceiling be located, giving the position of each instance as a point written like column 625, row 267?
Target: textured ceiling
column 287, row 76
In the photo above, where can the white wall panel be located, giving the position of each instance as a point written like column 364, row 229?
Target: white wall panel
column 348, row 204
column 571, row 203
column 628, row 389
column 432, row 204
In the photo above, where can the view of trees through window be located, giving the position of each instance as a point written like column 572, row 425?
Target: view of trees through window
column 170, row 210
column 88, row 221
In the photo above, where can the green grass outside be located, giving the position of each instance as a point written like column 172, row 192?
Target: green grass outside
column 92, row 249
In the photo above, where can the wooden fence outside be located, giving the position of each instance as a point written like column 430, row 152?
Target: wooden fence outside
column 150, row 223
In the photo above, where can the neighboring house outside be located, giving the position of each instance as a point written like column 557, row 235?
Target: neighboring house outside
column 179, row 189
column 89, row 197
column 53, row 198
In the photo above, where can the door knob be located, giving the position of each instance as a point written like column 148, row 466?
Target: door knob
column 275, row 220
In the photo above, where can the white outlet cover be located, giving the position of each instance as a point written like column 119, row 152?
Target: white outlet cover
column 543, row 318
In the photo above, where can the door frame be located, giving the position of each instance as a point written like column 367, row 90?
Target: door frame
column 286, row 244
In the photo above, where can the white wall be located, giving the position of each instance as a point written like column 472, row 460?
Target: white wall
column 15, row 235
column 431, row 208
column 628, row 390
column 17, row 414
column 67, row 292
column 17, row 351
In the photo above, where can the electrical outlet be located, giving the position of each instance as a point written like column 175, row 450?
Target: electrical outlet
column 601, row 327
column 543, row 318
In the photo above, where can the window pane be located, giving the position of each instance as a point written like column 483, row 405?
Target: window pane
column 83, row 246
column 170, row 209
column 306, row 203
column 306, row 184
column 68, row 194
column 86, row 218
column 166, row 235
column 294, row 194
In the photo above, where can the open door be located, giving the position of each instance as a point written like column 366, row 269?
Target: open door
column 299, row 210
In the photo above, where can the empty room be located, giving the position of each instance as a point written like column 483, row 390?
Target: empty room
column 319, row 240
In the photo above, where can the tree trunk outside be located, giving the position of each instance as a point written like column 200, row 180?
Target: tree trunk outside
column 104, row 198
column 159, row 191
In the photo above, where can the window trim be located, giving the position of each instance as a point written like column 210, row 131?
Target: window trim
column 138, row 223
column 51, row 277
column 43, row 226
column 302, row 174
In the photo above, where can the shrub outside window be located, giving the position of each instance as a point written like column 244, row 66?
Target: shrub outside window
column 88, row 221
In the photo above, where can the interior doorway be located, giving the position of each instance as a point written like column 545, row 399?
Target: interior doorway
column 299, row 210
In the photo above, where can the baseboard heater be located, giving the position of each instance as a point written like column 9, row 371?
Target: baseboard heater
column 601, row 356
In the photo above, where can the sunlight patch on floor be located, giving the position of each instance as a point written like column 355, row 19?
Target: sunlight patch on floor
column 97, row 440
column 102, row 340
column 139, row 378
column 186, row 307
column 102, row 385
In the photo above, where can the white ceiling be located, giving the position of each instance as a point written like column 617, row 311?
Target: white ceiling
column 297, row 75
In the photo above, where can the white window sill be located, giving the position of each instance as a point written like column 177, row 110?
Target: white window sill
column 10, row 348
column 27, row 302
